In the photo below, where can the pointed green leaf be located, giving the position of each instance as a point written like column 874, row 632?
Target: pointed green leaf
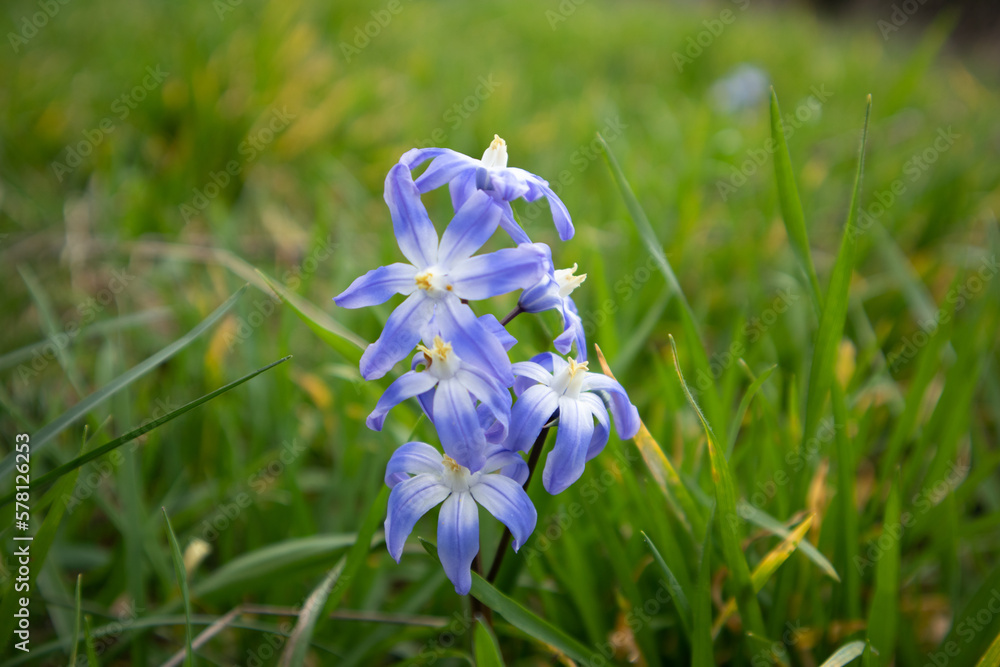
column 297, row 647
column 883, row 613
column 676, row 592
column 181, row 572
column 845, row 654
column 487, row 648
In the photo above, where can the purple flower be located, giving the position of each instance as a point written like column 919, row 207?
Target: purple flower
column 466, row 175
column 437, row 280
column 456, row 386
column 552, row 293
column 440, row 480
column 549, row 383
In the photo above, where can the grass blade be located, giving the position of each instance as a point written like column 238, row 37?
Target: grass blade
column 50, row 431
column 135, row 433
column 729, row 520
column 755, row 385
column 648, row 236
column 487, row 649
column 831, row 323
column 297, row 648
column 992, row 655
column 521, row 618
column 676, row 592
column 882, row 619
column 175, row 552
column 92, row 660
column 845, row 654
column 76, row 624
column 766, row 568
column 330, row 332
column 701, row 638
column 791, row 206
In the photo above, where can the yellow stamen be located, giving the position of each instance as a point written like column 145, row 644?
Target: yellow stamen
column 450, row 463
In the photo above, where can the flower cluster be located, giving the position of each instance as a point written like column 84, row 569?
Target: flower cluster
column 461, row 373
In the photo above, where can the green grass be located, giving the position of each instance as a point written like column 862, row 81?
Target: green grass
column 848, row 377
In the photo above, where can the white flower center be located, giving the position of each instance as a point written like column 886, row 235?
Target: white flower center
column 434, row 281
column 569, row 382
column 442, row 362
column 567, row 281
column 456, row 477
column 496, row 155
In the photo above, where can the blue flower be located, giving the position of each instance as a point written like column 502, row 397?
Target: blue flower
column 440, row 480
column 552, row 293
column 549, row 383
column 456, row 386
column 438, row 278
column 466, row 175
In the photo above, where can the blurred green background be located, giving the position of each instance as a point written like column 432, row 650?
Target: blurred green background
column 152, row 155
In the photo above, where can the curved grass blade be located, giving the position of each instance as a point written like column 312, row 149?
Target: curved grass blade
column 652, row 244
column 831, row 321
column 175, row 552
column 664, row 473
column 330, row 332
column 676, row 592
column 487, row 649
column 297, row 648
column 791, row 205
column 50, row 431
column 769, row 523
column 729, row 520
column 755, row 385
column 845, row 654
column 766, row 568
column 135, row 433
column 521, row 618
column 92, row 660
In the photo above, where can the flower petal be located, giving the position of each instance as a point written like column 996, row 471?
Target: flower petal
column 603, row 428
column 413, row 458
column 456, row 322
column 509, row 224
column 489, row 391
column 500, row 272
column 530, row 413
column 457, row 424
column 405, row 386
column 510, row 464
column 492, row 324
column 413, row 227
column 378, row 285
column 572, row 332
column 408, row 501
column 532, row 371
column 506, row 500
column 626, row 415
column 401, row 333
column 567, row 459
column 458, row 539
column 472, row 226
column 447, row 166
